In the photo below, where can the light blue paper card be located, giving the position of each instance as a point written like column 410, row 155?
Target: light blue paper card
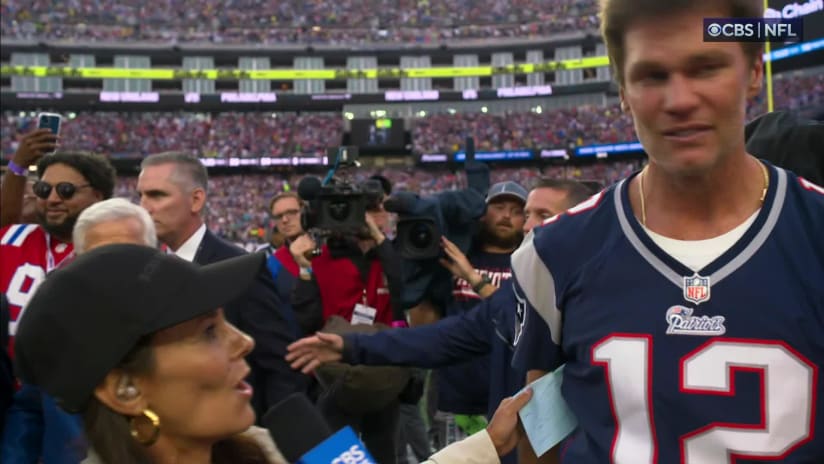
column 547, row 419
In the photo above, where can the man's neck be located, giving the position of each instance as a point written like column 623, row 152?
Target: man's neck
column 701, row 206
column 494, row 249
column 175, row 243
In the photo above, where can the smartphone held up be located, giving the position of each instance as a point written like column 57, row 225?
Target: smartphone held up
column 49, row 121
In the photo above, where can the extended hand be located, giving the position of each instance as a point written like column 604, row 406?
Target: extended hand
column 308, row 353
column 504, row 429
column 457, row 263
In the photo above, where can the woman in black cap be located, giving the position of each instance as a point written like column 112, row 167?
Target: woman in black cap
column 136, row 341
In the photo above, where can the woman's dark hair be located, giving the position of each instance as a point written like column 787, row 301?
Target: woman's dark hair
column 109, row 434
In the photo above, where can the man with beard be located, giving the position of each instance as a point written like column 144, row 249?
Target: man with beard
column 463, row 388
column 489, row 329
column 68, row 183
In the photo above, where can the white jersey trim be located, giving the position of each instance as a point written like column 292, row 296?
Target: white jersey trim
column 538, row 285
column 17, row 234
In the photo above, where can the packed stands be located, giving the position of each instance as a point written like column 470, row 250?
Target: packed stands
column 238, row 204
column 245, row 135
column 329, row 22
column 584, row 125
column 208, row 136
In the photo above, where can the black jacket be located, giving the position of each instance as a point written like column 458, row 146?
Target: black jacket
column 259, row 313
column 789, row 141
column 6, row 374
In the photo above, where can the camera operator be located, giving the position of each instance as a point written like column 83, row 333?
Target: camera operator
column 286, row 209
column 464, row 388
column 357, row 279
column 489, row 328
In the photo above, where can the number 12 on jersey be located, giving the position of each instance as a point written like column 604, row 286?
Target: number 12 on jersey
column 788, row 381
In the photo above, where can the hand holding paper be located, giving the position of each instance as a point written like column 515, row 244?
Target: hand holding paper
column 546, row 418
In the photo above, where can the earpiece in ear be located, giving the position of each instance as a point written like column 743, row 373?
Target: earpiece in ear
column 125, row 389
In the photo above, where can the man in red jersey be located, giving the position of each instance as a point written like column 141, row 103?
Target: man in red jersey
column 68, row 183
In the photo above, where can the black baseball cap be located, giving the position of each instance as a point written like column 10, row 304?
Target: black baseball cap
column 86, row 317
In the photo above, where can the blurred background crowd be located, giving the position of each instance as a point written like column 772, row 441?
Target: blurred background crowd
column 327, row 22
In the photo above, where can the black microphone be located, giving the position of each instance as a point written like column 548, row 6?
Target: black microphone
column 469, row 149
column 296, row 426
column 309, row 188
column 303, row 436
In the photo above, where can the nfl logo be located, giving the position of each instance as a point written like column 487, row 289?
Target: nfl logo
column 696, row 289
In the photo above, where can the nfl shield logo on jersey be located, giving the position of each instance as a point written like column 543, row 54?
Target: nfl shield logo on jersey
column 696, row 289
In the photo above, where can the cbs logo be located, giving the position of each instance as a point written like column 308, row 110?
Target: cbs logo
column 714, row 30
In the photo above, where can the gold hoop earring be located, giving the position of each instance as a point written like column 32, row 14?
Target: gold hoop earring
column 152, row 418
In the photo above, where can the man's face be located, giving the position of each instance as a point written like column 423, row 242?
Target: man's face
column 687, row 97
column 286, row 214
column 58, row 215
column 504, row 221
column 172, row 209
column 542, row 204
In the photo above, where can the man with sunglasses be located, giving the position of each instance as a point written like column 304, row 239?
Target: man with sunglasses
column 68, row 183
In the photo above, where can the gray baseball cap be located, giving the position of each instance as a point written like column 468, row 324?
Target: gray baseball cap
column 507, row 189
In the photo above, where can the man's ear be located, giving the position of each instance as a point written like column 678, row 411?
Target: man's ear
column 624, row 105
column 756, row 77
column 198, row 200
column 119, row 392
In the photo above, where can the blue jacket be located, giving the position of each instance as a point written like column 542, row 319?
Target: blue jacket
column 455, row 214
column 486, row 329
column 37, row 430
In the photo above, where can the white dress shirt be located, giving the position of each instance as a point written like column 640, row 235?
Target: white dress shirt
column 189, row 248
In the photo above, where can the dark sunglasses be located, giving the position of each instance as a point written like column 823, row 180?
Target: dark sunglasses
column 65, row 190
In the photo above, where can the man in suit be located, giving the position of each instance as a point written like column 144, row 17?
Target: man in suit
column 173, row 189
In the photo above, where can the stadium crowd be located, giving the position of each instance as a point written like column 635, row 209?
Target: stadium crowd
column 237, row 208
column 220, row 135
column 251, row 135
column 240, row 21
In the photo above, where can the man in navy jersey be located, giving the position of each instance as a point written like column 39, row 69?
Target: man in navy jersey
column 687, row 301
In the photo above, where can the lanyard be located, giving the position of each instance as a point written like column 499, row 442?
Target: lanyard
column 50, row 264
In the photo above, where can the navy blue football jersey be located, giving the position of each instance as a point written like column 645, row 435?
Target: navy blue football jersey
column 667, row 365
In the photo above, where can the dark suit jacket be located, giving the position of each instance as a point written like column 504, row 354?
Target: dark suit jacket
column 259, row 313
column 6, row 374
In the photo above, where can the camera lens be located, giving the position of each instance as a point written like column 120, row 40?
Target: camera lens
column 420, row 236
column 339, row 210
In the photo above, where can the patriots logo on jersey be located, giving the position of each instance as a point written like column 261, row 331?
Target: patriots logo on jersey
column 696, row 289
column 682, row 322
column 520, row 317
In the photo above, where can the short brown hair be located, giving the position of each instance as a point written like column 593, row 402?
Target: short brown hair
column 617, row 16
column 576, row 191
column 281, row 196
